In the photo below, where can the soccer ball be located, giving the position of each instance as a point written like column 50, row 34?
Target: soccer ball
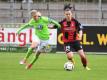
column 69, row 66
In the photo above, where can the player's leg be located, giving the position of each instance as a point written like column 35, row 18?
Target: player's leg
column 79, row 49
column 33, row 60
column 83, row 59
column 35, row 42
column 70, row 57
column 39, row 50
column 69, row 52
column 29, row 52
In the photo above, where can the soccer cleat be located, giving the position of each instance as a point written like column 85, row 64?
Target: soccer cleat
column 23, row 61
column 28, row 66
column 87, row 68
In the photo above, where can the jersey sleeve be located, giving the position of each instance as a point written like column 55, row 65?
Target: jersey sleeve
column 61, row 22
column 55, row 23
column 78, row 25
column 49, row 20
column 24, row 26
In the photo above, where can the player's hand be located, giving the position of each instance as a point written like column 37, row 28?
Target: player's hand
column 79, row 37
column 17, row 33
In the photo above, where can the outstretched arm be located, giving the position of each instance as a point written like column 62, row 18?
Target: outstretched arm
column 26, row 25
column 56, row 24
column 22, row 27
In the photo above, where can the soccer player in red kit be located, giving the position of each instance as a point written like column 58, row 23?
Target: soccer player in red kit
column 72, row 34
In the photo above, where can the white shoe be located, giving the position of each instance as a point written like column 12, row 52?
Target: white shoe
column 22, row 62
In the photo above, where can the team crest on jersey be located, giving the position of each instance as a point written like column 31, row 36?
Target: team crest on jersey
column 40, row 27
column 73, row 23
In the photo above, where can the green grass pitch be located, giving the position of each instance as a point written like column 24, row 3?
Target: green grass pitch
column 50, row 67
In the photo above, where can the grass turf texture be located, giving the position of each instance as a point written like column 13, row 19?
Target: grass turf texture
column 50, row 67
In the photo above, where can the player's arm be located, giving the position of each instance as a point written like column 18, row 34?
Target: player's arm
column 79, row 30
column 49, row 20
column 80, row 34
column 56, row 24
column 24, row 26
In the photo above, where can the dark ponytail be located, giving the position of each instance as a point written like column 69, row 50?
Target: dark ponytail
column 68, row 7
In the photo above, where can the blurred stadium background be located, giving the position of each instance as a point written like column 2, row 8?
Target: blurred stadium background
column 86, row 11
column 91, row 13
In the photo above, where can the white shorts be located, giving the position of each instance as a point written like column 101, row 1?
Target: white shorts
column 35, row 39
column 42, row 44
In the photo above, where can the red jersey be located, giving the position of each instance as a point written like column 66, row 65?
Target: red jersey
column 70, row 30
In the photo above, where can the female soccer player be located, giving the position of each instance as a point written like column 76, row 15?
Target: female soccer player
column 40, row 40
column 72, row 34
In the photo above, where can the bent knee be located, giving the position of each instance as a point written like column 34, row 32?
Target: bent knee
column 34, row 44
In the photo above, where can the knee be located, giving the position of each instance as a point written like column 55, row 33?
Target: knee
column 34, row 44
column 70, row 55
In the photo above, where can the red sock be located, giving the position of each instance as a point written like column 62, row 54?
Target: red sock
column 29, row 66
